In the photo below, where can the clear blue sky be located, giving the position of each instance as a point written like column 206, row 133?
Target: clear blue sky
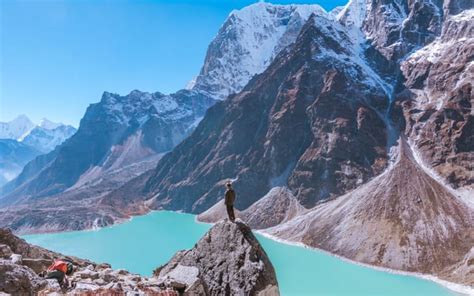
column 58, row 56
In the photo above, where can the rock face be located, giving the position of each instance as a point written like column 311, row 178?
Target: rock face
column 228, row 260
column 392, row 221
column 247, row 43
column 323, row 88
column 438, row 102
column 235, row 263
column 19, row 280
column 118, row 131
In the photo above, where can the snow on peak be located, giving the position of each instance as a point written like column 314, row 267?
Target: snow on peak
column 15, row 128
column 247, row 43
column 48, row 124
column 354, row 13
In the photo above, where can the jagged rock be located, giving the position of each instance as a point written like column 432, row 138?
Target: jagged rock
column 28, row 251
column 437, row 105
column 37, row 265
column 5, row 251
column 19, row 280
column 229, row 260
column 16, row 258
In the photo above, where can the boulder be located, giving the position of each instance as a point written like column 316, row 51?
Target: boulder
column 228, row 260
column 19, row 280
column 37, row 265
column 5, row 251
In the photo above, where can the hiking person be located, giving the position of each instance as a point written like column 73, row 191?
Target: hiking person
column 229, row 201
column 58, row 270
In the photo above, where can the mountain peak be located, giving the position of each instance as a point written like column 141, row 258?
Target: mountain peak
column 48, row 124
column 247, row 43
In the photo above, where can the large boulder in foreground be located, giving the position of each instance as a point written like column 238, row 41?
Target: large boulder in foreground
column 18, row 279
column 228, row 260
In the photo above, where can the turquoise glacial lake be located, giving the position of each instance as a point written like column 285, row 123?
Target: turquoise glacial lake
column 148, row 241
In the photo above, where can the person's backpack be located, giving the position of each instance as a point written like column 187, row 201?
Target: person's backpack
column 59, row 265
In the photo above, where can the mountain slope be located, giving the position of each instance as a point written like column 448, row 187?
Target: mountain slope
column 438, row 102
column 403, row 219
column 45, row 139
column 323, row 88
column 246, row 44
column 13, row 156
column 118, row 131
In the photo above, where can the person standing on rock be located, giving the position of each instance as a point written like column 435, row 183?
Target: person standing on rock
column 229, row 201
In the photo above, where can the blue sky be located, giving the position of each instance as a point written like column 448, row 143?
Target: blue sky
column 59, row 56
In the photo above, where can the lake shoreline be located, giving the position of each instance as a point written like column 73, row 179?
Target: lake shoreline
column 454, row 287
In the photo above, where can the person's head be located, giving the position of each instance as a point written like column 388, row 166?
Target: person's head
column 70, row 268
column 228, row 185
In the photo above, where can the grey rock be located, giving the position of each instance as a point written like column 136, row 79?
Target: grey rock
column 230, row 261
column 5, row 251
column 19, row 280
column 37, row 265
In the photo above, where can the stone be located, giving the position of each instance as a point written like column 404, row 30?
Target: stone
column 228, row 259
column 37, row 265
column 5, row 251
column 18, row 279
column 16, row 258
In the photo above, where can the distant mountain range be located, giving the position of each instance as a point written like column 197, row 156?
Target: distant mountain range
column 135, row 130
column 349, row 131
column 21, row 141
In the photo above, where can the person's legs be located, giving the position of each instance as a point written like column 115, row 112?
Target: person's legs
column 56, row 274
column 230, row 212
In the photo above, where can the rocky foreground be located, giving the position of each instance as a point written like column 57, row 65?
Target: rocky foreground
column 228, row 260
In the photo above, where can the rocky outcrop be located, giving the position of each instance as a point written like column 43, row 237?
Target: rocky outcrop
column 19, row 280
column 228, row 260
column 438, row 102
column 403, row 219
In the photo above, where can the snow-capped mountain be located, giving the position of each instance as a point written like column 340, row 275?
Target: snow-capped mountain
column 356, row 138
column 366, row 121
column 116, row 132
column 247, row 43
column 46, row 137
column 16, row 128
column 43, row 137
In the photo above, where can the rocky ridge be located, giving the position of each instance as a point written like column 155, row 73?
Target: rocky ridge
column 247, row 43
column 204, row 270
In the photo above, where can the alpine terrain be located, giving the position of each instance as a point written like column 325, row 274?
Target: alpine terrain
column 21, row 141
column 356, row 139
column 349, row 131
column 122, row 137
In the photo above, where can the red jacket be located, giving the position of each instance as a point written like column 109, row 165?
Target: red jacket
column 58, row 265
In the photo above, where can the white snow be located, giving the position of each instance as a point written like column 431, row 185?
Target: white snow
column 15, row 128
column 248, row 41
column 44, row 136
